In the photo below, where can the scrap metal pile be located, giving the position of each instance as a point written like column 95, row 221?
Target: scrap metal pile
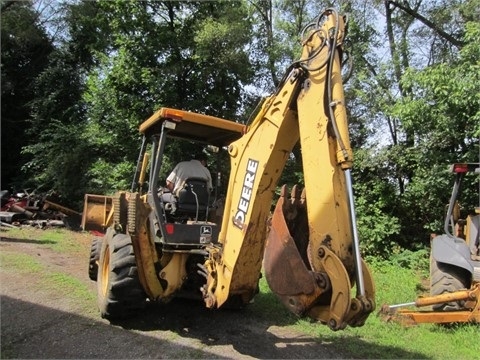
column 35, row 210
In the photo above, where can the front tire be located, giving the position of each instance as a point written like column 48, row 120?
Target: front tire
column 119, row 292
column 446, row 278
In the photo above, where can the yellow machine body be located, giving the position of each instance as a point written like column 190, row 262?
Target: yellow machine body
column 308, row 247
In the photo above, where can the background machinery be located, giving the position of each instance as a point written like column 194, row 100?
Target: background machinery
column 454, row 265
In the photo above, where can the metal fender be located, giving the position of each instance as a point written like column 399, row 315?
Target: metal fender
column 453, row 251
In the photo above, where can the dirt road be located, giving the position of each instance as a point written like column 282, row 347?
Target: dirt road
column 41, row 320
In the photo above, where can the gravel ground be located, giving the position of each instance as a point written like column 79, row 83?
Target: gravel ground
column 39, row 321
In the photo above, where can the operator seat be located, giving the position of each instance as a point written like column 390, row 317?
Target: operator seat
column 193, row 200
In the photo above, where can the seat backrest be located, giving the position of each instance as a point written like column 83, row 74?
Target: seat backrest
column 195, row 193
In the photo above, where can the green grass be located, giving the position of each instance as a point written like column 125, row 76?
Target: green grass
column 70, row 285
column 21, row 263
column 378, row 338
column 59, row 240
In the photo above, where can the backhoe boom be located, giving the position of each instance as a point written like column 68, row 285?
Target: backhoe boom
column 308, row 107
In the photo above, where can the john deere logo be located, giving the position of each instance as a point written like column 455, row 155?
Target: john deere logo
column 247, row 189
column 205, row 230
column 205, row 234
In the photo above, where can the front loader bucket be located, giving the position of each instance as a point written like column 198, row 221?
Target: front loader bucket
column 286, row 264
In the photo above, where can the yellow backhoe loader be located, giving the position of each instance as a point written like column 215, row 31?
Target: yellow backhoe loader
column 309, row 248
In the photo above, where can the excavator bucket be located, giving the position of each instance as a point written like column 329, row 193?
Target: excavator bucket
column 286, row 264
column 309, row 279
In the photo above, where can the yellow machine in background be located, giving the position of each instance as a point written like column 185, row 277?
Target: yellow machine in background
column 309, row 248
column 454, row 267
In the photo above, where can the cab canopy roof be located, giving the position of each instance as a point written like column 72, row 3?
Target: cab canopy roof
column 192, row 126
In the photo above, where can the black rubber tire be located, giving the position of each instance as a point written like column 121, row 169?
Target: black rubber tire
column 119, row 292
column 446, row 278
column 95, row 249
column 234, row 302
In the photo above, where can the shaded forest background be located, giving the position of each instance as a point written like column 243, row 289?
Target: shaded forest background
column 78, row 77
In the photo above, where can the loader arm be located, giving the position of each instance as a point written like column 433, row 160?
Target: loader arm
column 312, row 257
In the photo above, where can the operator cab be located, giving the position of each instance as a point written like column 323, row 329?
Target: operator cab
column 184, row 222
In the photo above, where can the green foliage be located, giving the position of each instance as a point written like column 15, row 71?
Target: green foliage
column 25, row 50
column 58, row 154
column 435, row 123
column 106, row 178
column 193, row 58
column 86, row 35
column 443, row 112
column 374, row 198
column 418, row 260
column 375, row 228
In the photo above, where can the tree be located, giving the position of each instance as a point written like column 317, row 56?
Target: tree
column 59, row 154
column 276, row 43
column 415, row 155
column 115, row 63
column 25, row 50
column 189, row 55
column 444, row 112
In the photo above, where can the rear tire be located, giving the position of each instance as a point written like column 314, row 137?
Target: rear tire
column 119, row 291
column 446, row 278
column 95, row 249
